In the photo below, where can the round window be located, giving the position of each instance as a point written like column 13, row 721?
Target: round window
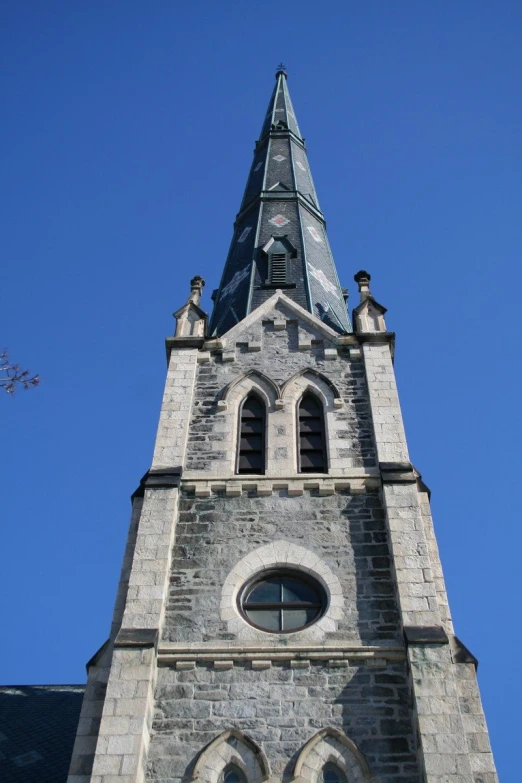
column 282, row 601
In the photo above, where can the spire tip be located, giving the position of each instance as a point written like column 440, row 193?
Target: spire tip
column 281, row 71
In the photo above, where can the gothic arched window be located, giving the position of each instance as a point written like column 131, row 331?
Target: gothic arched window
column 251, row 457
column 332, row 774
column 312, row 452
column 232, row 774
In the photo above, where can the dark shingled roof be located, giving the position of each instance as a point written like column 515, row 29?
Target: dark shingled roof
column 280, row 201
column 37, row 730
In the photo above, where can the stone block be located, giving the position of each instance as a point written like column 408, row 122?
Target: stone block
column 222, row 665
column 377, row 663
column 326, row 488
column 261, row 664
column 233, row 489
column 106, row 765
column 121, row 744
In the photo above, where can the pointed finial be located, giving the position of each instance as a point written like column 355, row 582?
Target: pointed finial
column 362, row 279
column 281, row 71
column 196, row 288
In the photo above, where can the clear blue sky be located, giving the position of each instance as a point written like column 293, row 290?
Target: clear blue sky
column 127, row 134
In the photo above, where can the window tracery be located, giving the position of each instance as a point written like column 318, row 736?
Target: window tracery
column 282, row 601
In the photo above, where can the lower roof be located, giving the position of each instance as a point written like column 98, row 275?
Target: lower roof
column 37, row 731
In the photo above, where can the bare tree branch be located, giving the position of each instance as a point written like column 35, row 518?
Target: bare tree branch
column 12, row 376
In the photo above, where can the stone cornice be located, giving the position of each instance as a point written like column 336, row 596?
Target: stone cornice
column 234, row 486
column 264, row 656
column 375, row 337
column 158, row 478
column 397, row 472
column 425, row 634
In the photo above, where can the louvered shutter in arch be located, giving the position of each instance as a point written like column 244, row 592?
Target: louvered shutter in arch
column 312, row 452
column 278, row 269
column 251, row 458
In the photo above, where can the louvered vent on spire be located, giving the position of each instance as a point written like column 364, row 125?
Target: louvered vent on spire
column 280, row 205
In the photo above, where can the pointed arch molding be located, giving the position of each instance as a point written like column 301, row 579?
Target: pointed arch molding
column 290, row 389
column 253, row 380
column 231, row 747
column 331, row 745
column 312, row 379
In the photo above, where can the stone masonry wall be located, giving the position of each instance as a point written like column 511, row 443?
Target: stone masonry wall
column 281, row 708
column 346, row 531
column 211, row 436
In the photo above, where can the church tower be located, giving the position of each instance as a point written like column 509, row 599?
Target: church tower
column 281, row 613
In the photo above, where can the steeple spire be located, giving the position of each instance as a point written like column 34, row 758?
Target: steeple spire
column 279, row 236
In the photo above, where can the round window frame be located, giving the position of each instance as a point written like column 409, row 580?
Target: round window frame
column 289, row 573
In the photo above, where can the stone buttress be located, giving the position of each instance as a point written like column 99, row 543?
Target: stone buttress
column 376, row 687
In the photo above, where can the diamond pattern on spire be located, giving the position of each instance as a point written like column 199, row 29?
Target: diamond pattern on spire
column 314, row 233
column 246, row 231
column 279, row 198
column 321, row 278
column 234, row 283
column 279, row 221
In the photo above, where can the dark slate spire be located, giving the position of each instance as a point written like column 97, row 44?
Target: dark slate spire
column 280, row 236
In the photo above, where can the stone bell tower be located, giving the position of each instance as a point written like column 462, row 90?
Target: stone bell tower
column 281, row 613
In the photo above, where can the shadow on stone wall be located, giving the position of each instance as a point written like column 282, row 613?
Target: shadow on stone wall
column 280, row 709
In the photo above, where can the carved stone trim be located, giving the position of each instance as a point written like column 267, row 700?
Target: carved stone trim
column 318, row 376
column 263, row 657
column 264, row 486
column 425, row 634
column 136, row 637
column 184, row 342
column 252, row 761
column 254, row 375
column 397, row 472
column 303, row 767
column 281, row 554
